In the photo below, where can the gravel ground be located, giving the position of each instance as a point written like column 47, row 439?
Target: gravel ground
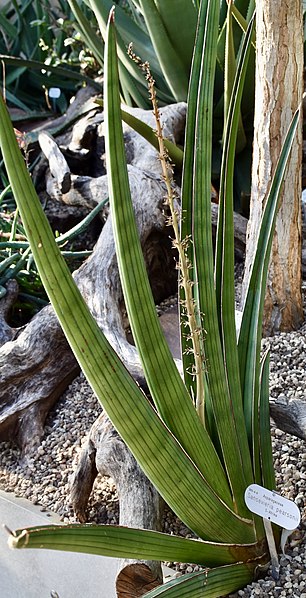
column 44, row 478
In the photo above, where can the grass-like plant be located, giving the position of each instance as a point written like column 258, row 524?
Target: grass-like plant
column 206, row 437
column 39, row 49
column 16, row 259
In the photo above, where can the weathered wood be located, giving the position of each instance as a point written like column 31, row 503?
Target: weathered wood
column 135, row 580
column 290, row 416
column 140, row 506
column 59, row 168
column 279, row 89
column 84, row 191
column 6, row 332
column 35, row 368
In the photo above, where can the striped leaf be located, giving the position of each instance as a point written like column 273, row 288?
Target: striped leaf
column 266, row 455
column 160, row 455
column 224, row 262
column 251, row 327
column 167, row 389
column 198, row 171
column 211, row 583
column 123, row 542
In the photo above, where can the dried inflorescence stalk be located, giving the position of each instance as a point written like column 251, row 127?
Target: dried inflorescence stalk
column 192, row 319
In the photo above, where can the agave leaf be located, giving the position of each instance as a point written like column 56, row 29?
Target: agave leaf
column 224, row 263
column 166, row 387
column 251, row 326
column 101, row 12
column 125, row 542
column 171, row 63
column 184, row 20
column 160, row 455
column 130, row 31
column 211, row 583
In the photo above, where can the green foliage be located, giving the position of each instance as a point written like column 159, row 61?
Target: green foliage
column 16, row 258
column 35, row 39
column 200, row 460
column 152, row 26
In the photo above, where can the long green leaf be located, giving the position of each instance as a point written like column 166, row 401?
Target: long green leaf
column 130, row 31
column 183, row 19
column 167, row 389
column 124, row 542
column 242, row 22
column 211, row 583
column 266, row 454
column 201, row 88
column 158, row 452
column 173, row 68
column 251, row 327
column 229, row 78
column 224, row 262
column 101, row 12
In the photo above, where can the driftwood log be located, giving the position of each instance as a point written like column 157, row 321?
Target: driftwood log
column 140, row 505
column 57, row 163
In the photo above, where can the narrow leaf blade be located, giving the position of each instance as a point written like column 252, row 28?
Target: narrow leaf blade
column 168, row 391
column 211, row 583
column 123, row 542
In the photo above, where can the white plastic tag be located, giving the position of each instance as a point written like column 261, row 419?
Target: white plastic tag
column 54, row 92
column 272, row 506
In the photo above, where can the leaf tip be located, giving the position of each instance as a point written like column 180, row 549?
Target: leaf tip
column 111, row 17
column 15, row 541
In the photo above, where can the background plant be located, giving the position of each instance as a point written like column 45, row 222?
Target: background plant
column 153, row 27
column 16, row 258
column 39, row 49
column 201, row 470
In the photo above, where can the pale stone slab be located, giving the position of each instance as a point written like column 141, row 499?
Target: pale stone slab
column 35, row 573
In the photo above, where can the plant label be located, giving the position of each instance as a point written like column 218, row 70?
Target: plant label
column 54, row 92
column 272, row 506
